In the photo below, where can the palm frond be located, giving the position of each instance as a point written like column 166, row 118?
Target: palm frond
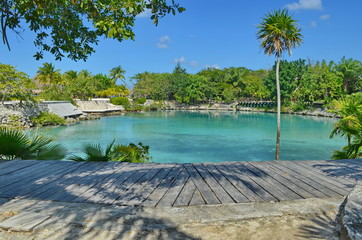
column 95, row 153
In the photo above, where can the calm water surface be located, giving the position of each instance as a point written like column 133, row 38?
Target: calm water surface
column 183, row 136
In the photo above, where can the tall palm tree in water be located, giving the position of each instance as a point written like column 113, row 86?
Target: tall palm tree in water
column 278, row 32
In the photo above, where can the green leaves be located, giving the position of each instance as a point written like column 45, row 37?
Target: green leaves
column 70, row 28
column 278, row 32
column 16, row 145
column 14, row 84
column 123, row 153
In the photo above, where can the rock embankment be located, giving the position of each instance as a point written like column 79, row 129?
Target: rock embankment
column 98, row 106
column 350, row 216
column 172, row 105
column 15, row 114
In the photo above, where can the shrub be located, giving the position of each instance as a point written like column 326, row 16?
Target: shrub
column 16, row 145
column 123, row 153
column 131, row 153
column 141, row 100
column 47, row 118
column 121, row 101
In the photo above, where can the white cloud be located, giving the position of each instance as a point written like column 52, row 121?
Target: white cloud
column 162, row 45
column 313, row 23
column 305, row 4
column 213, row 66
column 164, row 41
column 181, row 60
column 194, row 64
column 145, row 14
column 325, row 17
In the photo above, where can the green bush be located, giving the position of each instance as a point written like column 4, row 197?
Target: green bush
column 121, row 101
column 141, row 100
column 122, row 153
column 131, row 153
column 47, row 118
column 155, row 106
column 15, row 144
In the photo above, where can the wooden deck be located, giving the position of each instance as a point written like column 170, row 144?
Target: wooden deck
column 161, row 185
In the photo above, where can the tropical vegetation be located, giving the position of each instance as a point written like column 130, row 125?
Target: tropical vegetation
column 14, row 144
column 47, row 118
column 349, row 108
column 82, row 22
column 122, row 153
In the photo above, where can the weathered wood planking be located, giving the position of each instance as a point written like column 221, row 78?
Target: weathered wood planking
column 160, row 185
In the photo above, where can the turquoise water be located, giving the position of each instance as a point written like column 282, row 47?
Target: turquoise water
column 183, row 136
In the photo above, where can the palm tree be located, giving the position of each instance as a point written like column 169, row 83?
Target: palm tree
column 352, row 74
column 16, row 145
column 277, row 33
column 47, row 74
column 350, row 110
column 117, row 73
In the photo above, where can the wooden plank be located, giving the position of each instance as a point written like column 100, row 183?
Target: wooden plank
column 310, row 182
column 284, row 186
column 311, row 179
column 149, row 179
column 61, row 183
column 17, row 178
column 185, row 195
column 327, row 182
column 266, row 182
column 247, row 187
column 303, row 189
column 145, row 171
column 226, row 184
column 46, row 180
column 163, row 187
column 74, row 189
column 215, row 186
column 170, row 196
column 345, row 171
column 151, row 186
column 207, row 194
column 119, row 170
column 14, row 165
column 108, row 190
column 8, row 166
column 264, row 189
column 196, row 199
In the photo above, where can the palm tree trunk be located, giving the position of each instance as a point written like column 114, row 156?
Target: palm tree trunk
column 277, row 148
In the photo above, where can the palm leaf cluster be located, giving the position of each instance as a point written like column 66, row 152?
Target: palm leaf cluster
column 349, row 126
column 95, row 153
column 112, row 152
column 279, row 32
column 16, row 145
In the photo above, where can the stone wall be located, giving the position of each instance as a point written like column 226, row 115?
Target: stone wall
column 18, row 115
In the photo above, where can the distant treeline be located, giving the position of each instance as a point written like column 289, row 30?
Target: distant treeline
column 302, row 83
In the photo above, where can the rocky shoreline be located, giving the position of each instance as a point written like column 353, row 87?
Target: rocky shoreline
column 19, row 115
column 169, row 105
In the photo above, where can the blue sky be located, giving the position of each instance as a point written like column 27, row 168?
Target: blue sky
column 212, row 33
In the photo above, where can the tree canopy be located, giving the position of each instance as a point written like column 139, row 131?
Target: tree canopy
column 71, row 28
column 14, row 84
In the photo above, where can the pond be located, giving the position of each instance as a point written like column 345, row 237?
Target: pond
column 206, row 136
